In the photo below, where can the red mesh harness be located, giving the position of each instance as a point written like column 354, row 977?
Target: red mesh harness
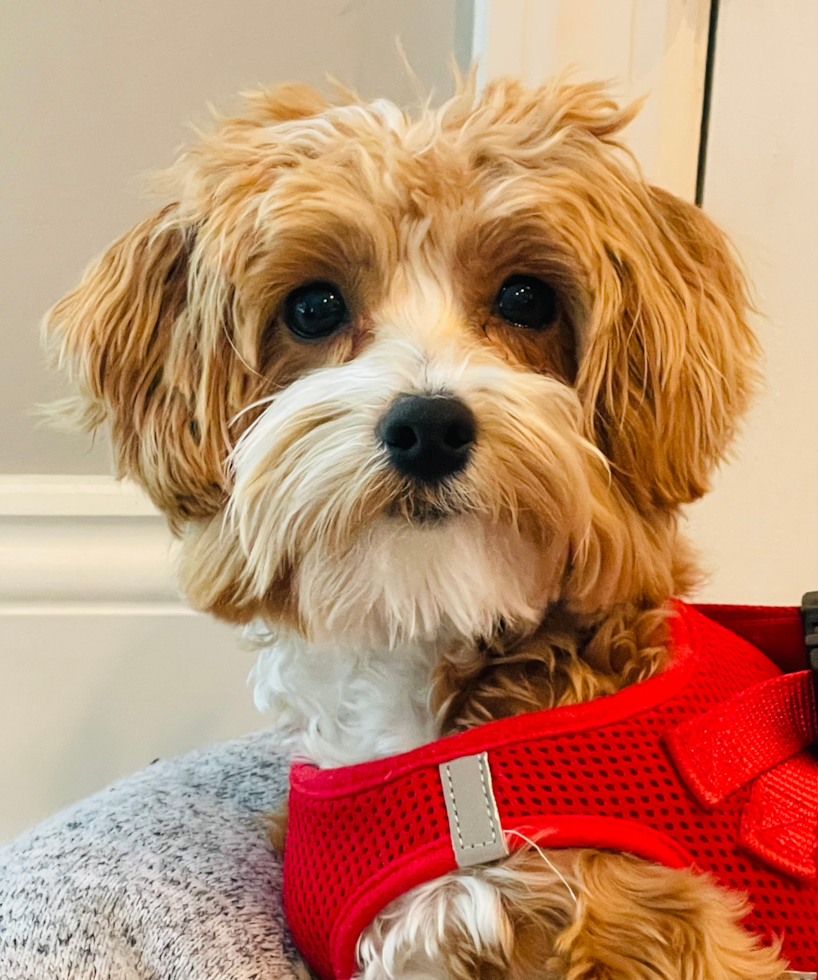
column 703, row 765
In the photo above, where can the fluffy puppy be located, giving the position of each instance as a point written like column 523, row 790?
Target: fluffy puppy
column 422, row 398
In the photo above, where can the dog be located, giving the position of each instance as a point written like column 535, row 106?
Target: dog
column 422, row 398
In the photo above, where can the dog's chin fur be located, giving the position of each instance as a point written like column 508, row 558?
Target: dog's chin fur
column 390, row 612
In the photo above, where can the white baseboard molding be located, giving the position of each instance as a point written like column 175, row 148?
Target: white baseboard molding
column 82, row 540
column 140, row 610
column 67, row 495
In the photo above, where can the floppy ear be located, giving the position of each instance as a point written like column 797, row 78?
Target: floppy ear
column 671, row 363
column 147, row 337
column 118, row 336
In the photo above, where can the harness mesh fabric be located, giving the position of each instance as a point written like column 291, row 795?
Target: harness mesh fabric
column 595, row 774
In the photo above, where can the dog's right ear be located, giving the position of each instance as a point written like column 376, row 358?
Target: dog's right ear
column 147, row 338
column 118, row 337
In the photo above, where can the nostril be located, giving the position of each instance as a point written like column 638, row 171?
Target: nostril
column 458, row 435
column 401, row 437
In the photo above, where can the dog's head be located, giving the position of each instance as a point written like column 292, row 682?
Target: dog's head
column 391, row 376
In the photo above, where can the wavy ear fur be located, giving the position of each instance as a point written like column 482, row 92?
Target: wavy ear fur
column 668, row 361
column 116, row 335
column 671, row 363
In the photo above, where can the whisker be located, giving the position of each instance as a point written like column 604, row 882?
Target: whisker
column 551, row 865
column 230, row 341
column 249, row 408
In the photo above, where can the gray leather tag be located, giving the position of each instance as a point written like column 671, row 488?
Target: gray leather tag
column 474, row 823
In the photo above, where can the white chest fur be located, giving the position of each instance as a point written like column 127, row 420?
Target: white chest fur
column 337, row 705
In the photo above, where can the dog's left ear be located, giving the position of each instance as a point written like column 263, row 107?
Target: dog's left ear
column 670, row 362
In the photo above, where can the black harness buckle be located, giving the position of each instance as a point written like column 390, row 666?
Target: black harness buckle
column 809, row 617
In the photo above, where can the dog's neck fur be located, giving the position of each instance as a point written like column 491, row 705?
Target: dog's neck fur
column 422, row 641
column 339, row 704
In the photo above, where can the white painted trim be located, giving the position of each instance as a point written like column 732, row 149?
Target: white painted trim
column 480, row 39
column 653, row 48
column 140, row 609
column 37, row 495
column 86, row 559
column 80, row 540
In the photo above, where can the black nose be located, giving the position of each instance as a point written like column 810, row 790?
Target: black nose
column 429, row 437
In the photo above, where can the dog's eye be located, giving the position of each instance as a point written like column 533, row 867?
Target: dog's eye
column 527, row 302
column 315, row 310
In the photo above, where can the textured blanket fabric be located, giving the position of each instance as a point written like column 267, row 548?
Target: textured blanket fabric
column 165, row 874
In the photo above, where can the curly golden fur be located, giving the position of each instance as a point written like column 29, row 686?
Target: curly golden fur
column 538, row 576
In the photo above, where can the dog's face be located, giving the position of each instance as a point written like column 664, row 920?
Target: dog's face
column 390, row 377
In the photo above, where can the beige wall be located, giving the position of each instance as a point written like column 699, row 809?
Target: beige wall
column 654, row 50
column 93, row 94
column 758, row 530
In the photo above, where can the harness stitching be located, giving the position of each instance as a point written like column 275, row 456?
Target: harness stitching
column 486, row 800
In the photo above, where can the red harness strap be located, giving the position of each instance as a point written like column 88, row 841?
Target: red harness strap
column 702, row 765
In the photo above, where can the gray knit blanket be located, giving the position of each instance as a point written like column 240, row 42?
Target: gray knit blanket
column 165, row 874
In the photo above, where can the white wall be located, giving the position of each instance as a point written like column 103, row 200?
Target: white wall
column 758, row 530
column 651, row 49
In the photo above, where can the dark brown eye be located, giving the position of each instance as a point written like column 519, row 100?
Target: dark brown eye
column 528, row 302
column 315, row 310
